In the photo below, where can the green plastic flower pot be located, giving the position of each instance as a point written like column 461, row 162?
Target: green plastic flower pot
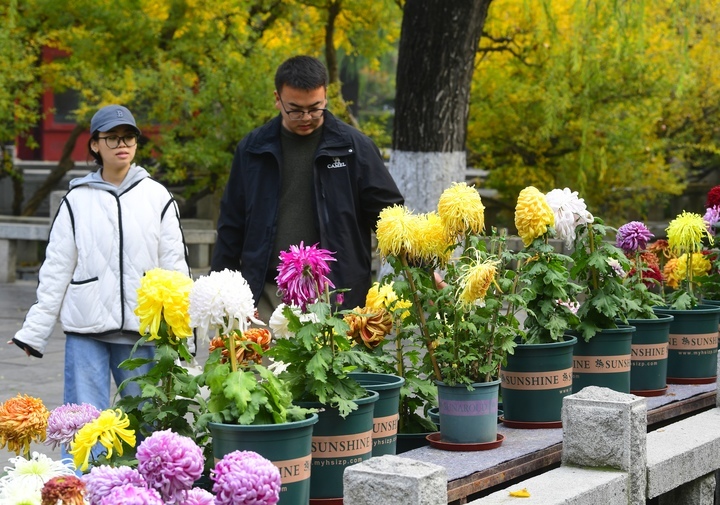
column 287, row 445
column 692, row 344
column 534, row 382
column 338, row 443
column 468, row 416
column 604, row 361
column 648, row 373
column 386, row 413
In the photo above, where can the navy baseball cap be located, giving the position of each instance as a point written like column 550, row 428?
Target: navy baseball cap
column 111, row 116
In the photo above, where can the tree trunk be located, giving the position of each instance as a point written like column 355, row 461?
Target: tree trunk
column 64, row 166
column 438, row 43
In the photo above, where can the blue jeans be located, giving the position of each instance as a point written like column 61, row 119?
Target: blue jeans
column 88, row 365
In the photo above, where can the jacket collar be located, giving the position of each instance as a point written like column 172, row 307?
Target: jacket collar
column 268, row 135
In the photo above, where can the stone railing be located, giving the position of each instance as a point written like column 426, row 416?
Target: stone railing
column 608, row 458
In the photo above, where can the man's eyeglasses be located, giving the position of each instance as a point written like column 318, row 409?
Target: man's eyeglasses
column 297, row 115
column 113, row 141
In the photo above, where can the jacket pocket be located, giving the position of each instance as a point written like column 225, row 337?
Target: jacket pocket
column 82, row 309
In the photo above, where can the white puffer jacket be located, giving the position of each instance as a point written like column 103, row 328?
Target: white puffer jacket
column 102, row 241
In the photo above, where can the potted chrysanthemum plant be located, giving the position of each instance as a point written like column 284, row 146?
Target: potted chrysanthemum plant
column 248, row 407
column 692, row 347
column 316, row 353
column 458, row 282
column 648, row 374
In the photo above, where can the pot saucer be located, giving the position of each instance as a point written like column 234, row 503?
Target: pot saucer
column 434, row 439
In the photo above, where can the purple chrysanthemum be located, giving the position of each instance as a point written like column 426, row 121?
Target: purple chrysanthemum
column 170, row 463
column 633, row 237
column 66, row 420
column 302, row 274
column 127, row 494
column 711, row 217
column 245, row 478
column 198, row 496
column 102, row 479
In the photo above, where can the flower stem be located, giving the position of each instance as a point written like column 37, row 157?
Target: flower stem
column 593, row 270
column 231, row 350
column 421, row 318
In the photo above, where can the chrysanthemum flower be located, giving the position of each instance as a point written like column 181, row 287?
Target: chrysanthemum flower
column 570, row 212
column 713, row 197
column 102, row 479
column 245, row 478
column 380, row 297
column 164, row 295
column 686, row 232
column 369, row 326
column 533, row 215
column 170, row 463
column 223, row 301
column 127, row 494
column 110, row 429
column 279, row 324
column 199, row 496
column 65, row 489
column 26, row 477
column 394, row 230
column 633, row 237
column 23, row 419
column 17, row 494
column 700, row 266
column 303, row 274
column 712, row 217
column 660, row 248
column 430, row 240
column 244, row 352
column 671, row 273
column 66, row 420
column 616, row 267
column 475, row 281
column 461, row 210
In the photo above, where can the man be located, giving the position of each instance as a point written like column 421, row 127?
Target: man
column 304, row 176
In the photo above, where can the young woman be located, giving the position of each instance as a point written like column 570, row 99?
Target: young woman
column 112, row 226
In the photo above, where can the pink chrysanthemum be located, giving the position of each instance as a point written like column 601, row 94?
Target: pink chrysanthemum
column 102, row 479
column 198, row 496
column 245, row 478
column 127, row 494
column 170, row 463
column 66, row 420
column 302, row 274
column 711, row 217
column 633, row 236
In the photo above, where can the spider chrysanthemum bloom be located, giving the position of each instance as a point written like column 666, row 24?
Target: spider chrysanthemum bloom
column 394, row 230
column 431, row 241
column 533, row 215
column 461, row 210
column 23, row 419
column 380, row 297
column 686, row 232
column 64, row 489
column 369, row 326
column 570, row 212
column 475, row 281
column 633, row 237
column 303, row 274
column 66, row 420
column 26, row 477
column 223, row 301
column 102, row 479
column 170, row 464
column 110, row 429
column 164, row 295
column 245, row 477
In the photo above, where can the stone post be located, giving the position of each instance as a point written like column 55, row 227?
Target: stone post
column 392, row 480
column 55, row 199
column 604, row 428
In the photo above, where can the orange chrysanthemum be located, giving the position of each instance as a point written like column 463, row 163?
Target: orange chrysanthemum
column 243, row 351
column 533, row 215
column 369, row 326
column 23, row 419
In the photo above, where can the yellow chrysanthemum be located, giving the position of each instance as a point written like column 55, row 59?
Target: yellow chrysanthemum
column 431, row 240
column 164, row 295
column 380, row 297
column 533, row 215
column 475, row 282
column 686, row 232
column 110, row 429
column 23, row 419
column 700, row 266
column 461, row 210
column 394, row 231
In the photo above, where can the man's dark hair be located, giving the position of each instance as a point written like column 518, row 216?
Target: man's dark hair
column 301, row 72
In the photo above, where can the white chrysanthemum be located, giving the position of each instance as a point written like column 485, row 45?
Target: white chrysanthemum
column 279, row 324
column 570, row 212
column 222, row 301
column 16, row 493
column 31, row 474
column 277, row 367
column 616, row 266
